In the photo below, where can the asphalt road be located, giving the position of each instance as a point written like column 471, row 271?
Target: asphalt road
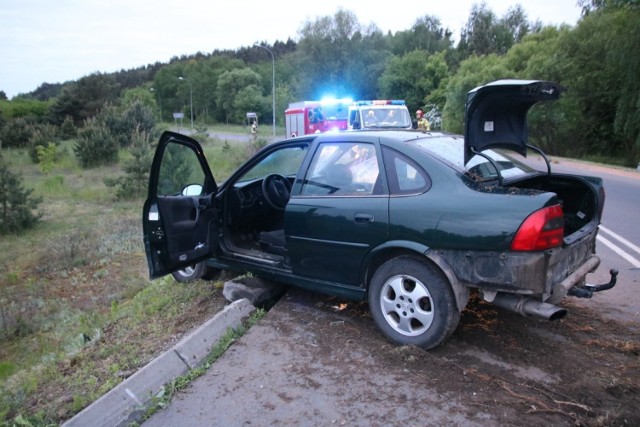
column 618, row 242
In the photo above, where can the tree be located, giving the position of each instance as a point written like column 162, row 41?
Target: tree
column 230, row 83
column 16, row 133
column 353, row 57
column 404, row 78
column 84, row 98
column 473, row 72
column 96, row 145
column 136, row 178
column 484, row 33
column 18, row 207
column 602, row 77
column 426, row 34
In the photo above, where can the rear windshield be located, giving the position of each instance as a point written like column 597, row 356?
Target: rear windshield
column 450, row 148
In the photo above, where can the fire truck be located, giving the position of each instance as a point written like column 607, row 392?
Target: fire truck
column 379, row 114
column 307, row 117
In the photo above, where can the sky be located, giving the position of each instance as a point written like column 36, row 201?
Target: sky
column 57, row 41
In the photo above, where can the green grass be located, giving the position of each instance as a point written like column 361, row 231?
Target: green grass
column 77, row 310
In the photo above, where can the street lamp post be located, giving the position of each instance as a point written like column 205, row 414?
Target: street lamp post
column 273, row 85
column 190, row 97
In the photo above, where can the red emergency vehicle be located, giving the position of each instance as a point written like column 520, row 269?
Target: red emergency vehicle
column 308, row 117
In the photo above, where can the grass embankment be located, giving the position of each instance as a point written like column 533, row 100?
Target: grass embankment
column 78, row 313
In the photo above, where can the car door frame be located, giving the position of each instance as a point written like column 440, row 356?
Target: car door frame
column 190, row 220
column 339, row 258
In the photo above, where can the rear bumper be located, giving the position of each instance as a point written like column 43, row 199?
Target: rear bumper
column 560, row 289
column 547, row 275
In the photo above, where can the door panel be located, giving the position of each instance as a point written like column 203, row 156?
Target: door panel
column 179, row 215
column 330, row 237
column 340, row 212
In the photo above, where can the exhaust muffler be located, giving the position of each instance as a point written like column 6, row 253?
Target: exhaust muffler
column 529, row 306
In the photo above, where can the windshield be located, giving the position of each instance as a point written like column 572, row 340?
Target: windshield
column 386, row 117
column 450, row 148
column 285, row 161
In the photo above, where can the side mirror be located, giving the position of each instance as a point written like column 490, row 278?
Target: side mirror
column 356, row 125
column 192, row 190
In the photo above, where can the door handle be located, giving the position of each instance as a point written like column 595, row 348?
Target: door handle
column 364, row 218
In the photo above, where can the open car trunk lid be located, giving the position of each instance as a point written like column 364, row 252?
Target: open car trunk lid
column 496, row 114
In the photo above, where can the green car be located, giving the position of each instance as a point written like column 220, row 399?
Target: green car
column 409, row 220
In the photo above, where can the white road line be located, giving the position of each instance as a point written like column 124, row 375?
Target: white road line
column 620, row 239
column 623, row 254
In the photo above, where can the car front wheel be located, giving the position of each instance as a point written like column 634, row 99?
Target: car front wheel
column 412, row 303
column 192, row 272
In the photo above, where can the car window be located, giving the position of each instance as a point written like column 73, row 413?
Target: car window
column 343, row 169
column 451, row 149
column 285, row 161
column 179, row 169
column 405, row 176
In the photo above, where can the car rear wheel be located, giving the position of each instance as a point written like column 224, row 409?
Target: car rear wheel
column 412, row 303
column 192, row 272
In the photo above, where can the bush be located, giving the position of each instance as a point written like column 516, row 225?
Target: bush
column 41, row 136
column 68, row 129
column 96, row 145
column 17, row 206
column 46, row 156
column 15, row 134
column 123, row 123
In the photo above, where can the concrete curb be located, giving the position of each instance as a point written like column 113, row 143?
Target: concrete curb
column 126, row 402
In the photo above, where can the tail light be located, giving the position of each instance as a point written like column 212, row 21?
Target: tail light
column 543, row 229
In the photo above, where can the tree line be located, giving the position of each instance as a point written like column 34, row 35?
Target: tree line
column 596, row 60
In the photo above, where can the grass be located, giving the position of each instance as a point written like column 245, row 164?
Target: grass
column 78, row 313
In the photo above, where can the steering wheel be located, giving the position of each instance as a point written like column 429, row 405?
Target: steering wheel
column 276, row 190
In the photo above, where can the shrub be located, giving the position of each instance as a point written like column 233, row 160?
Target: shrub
column 123, row 123
column 17, row 205
column 16, row 133
column 68, row 129
column 96, row 145
column 41, row 136
column 46, row 156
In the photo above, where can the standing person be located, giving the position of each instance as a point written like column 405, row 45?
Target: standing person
column 423, row 123
column 254, row 130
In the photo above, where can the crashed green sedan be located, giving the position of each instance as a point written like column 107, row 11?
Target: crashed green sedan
column 409, row 220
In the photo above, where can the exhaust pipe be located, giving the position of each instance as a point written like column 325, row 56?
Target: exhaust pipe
column 529, row 306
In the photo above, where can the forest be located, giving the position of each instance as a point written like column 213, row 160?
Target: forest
column 598, row 118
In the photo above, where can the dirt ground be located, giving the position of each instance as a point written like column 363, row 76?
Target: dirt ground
column 581, row 370
column 318, row 360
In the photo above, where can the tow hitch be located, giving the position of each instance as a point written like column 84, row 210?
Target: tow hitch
column 587, row 290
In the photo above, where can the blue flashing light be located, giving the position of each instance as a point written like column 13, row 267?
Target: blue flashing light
column 380, row 102
column 336, row 101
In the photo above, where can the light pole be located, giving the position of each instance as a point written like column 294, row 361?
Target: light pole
column 190, row 97
column 273, row 85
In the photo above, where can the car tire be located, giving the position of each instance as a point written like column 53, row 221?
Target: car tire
column 412, row 302
column 196, row 271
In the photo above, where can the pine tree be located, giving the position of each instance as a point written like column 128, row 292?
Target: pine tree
column 17, row 205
